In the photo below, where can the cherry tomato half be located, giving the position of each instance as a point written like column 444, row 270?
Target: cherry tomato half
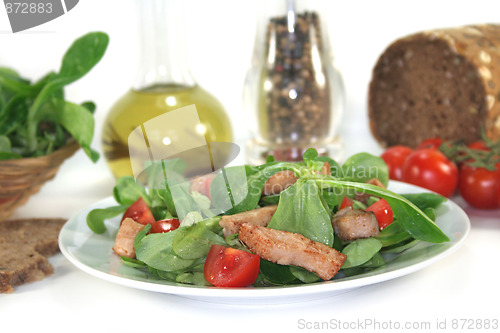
column 479, row 186
column 163, row 226
column 431, row 169
column 202, row 184
column 346, row 202
column 383, row 212
column 139, row 212
column 395, row 157
column 228, row 267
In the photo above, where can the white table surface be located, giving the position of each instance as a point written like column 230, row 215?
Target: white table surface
column 461, row 286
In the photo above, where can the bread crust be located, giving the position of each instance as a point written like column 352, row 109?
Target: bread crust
column 438, row 83
column 25, row 245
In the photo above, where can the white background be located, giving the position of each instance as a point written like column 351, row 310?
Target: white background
column 464, row 285
column 220, row 43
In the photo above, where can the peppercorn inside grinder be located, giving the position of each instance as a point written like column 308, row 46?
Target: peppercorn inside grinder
column 293, row 94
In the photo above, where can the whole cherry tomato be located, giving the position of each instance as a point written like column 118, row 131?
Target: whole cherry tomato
column 163, row 226
column 479, row 145
column 431, row 169
column 479, row 186
column 395, row 157
column 498, row 196
column 476, row 145
column 431, row 143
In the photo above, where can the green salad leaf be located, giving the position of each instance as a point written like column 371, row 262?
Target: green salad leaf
column 393, row 234
column 79, row 122
column 276, row 274
column 301, row 210
column 96, row 217
column 127, row 190
column 194, row 242
column 156, row 251
column 425, row 200
column 362, row 167
column 360, row 251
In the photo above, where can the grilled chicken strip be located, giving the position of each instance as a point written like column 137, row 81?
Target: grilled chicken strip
column 350, row 224
column 124, row 242
column 278, row 182
column 260, row 216
column 287, row 248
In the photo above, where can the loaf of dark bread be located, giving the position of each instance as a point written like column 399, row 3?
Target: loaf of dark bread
column 440, row 83
column 24, row 246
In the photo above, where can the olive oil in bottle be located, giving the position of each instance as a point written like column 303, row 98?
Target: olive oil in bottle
column 138, row 106
column 163, row 84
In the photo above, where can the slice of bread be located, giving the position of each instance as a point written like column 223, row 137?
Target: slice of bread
column 441, row 83
column 24, row 246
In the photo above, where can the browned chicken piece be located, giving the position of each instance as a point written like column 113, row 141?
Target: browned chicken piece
column 124, row 242
column 287, row 248
column 260, row 216
column 350, row 224
column 325, row 170
column 363, row 197
column 376, row 182
column 278, row 182
column 282, row 180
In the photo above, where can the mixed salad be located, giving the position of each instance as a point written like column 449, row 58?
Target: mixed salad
column 278, row 223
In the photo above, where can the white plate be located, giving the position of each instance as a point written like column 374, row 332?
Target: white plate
column 92, row 253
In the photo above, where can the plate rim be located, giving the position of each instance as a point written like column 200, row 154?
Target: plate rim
column 265, row 292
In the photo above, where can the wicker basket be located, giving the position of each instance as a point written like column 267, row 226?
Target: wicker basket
column 20, row 178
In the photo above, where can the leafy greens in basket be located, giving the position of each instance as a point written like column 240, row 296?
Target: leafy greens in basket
column 35, row 119
column 306, row 208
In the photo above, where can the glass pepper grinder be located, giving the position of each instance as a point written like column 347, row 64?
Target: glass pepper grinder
column 293, row 95
column 164, row 83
